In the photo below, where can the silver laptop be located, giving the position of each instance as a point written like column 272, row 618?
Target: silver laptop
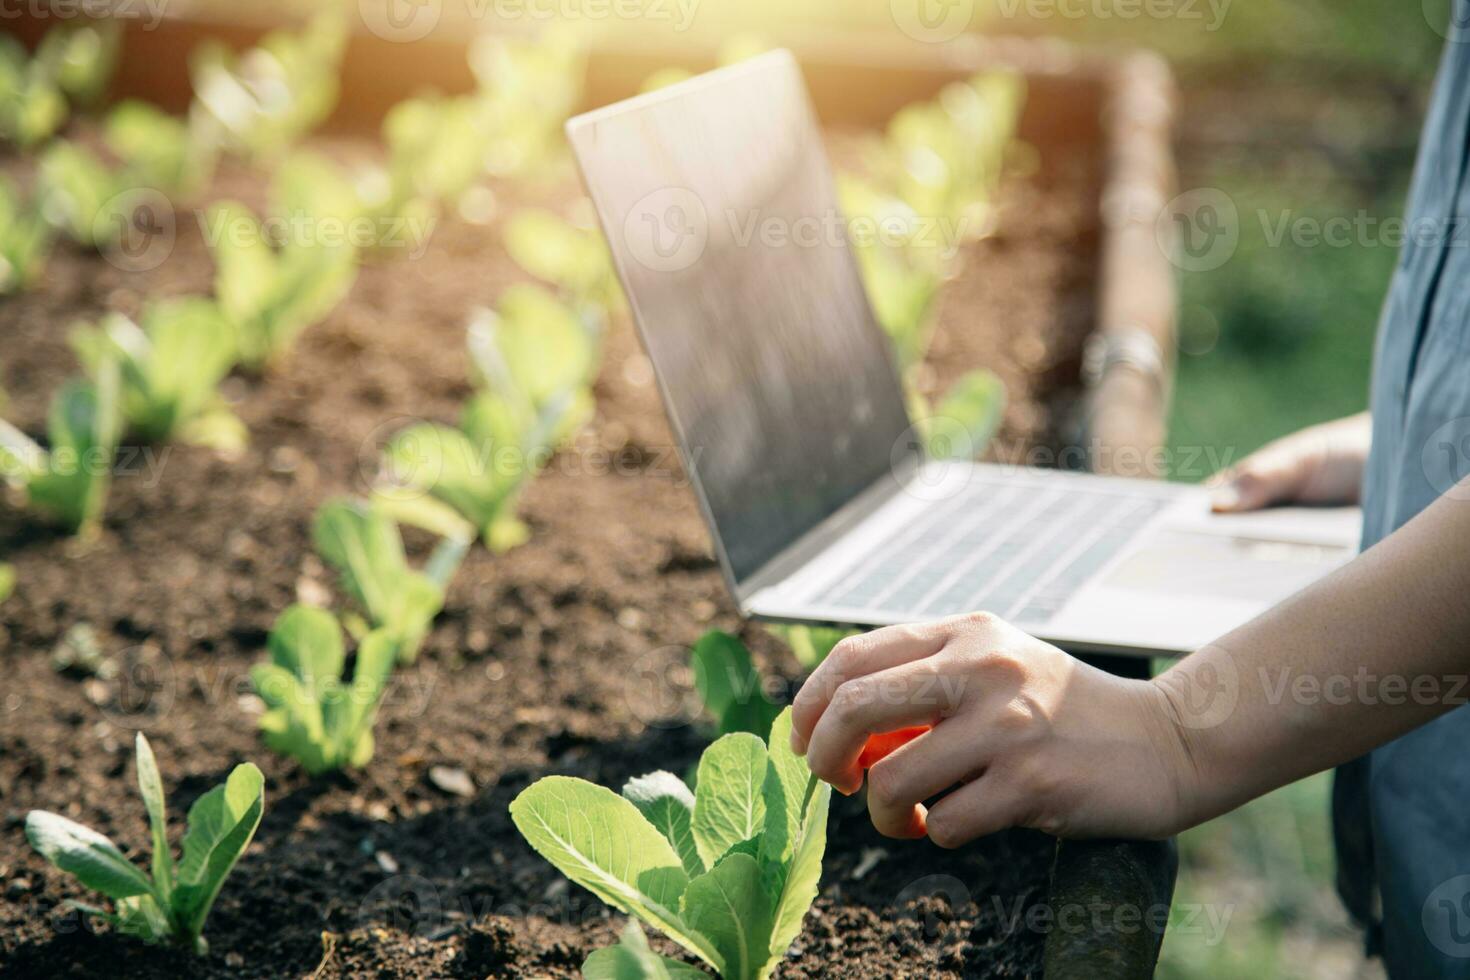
column 720, row 209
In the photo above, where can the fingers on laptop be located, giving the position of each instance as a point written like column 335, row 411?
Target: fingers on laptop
column 1262, row 479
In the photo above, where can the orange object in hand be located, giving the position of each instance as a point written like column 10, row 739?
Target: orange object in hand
column 882, row 744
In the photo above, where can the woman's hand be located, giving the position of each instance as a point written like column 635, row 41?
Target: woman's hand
column 1322, row 464
column 1024, row 735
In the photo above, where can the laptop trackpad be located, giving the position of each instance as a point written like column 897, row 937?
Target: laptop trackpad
column 1213, row 565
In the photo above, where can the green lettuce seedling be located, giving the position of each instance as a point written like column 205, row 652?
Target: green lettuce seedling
column 811, row 644
column 72, row 62
column 32, row 106
column 270, row 295
column 262, row 101
column 173, row 903
column 84, row 198
column 80, row 58
column 317, row 716
column 25, row 239
column 573, row 259
column 727, row 872
column 69, row 481
column 362, row 542
column 436, row 149
column 944, row 157
column 527, row 87
column 171, row 369
column 7, row 580
column 159, row 150
column 534, row 358
column 730, row 687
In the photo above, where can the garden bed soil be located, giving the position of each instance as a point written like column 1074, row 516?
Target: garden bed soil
column 568, row 655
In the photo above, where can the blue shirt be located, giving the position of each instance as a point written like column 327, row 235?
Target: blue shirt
column 1402, row 814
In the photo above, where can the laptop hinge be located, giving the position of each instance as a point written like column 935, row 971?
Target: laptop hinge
column 794, row 557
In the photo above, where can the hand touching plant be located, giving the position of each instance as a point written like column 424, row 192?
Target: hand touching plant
column 69, row 481
column 171, row 369
column 727, row 872
column 364, row 545
column 317, row 716
column 171, row 904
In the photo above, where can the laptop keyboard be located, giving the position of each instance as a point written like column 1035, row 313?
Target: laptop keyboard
column 1019, row 551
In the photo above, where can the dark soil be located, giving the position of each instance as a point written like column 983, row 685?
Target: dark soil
column 567, row 655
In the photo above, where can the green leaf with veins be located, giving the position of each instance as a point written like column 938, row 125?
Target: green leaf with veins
column 600, row 841
column 728, row 804
column 665, row 800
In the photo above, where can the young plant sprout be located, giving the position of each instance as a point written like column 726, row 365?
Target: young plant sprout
column 573, row 259
column 24, row 240
column 362, row 542
column 526, row 89
column 270, row 295
column 72, row 63
column 158, row 150
column 944, row 157
column 730, row 687
column 727, row 871
column 88, row 201
column 317, row 716
column 436, row 151
column 171, row 904
column 810, row 644
column 534, row 358
column 68, row 481
column 171, row 367
column 261, row 102
column 7, row 580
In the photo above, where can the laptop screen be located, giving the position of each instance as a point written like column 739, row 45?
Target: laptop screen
column 718, row 203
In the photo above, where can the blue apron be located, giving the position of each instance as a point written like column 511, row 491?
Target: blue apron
column 1402, row 813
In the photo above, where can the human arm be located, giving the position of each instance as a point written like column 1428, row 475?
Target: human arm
column 1033, row 737
column 1321, row 464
